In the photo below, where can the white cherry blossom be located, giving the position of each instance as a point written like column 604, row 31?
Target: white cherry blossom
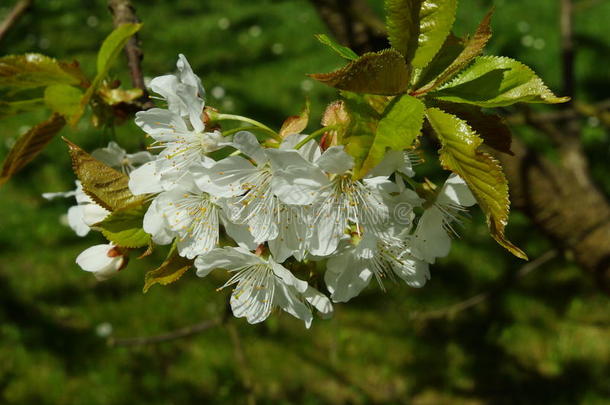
column 104, row 261
column 432, row 237
column 352, row 269
column 262, row 285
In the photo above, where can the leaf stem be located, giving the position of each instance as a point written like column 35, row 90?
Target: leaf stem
column 232, row 117
column 314, row 135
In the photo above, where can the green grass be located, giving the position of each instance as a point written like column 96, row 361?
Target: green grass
column 543, row 339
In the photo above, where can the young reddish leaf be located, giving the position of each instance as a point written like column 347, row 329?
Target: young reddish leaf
column 483, row 174
column 29, row 145
column 170, row 270
column 382, row 73
column 295, row 124
column 106, row 186
column 471, row 49
column 336, row 116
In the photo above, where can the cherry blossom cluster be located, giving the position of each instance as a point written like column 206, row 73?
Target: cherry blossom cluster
column 260, row 209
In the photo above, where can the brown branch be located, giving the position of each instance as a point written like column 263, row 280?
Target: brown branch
column 123, row 12
column 481, row 297
column 13, row 16
column 166, row 337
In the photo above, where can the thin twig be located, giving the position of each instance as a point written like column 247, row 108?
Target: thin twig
column 242, row 362
column 15, row 14
column 124, row 12
column 166, row 337
column 481, row 297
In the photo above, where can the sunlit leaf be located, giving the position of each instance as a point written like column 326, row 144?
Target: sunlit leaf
column 493, row 81
column 483, row 174
column 106, row 186
column 491, row 127
column 112, row 46
column 436, row 18
column 170, row 270
column 397, row 129
column 29, row 145
column 118, row 96
column 383, row 73
column 402, row 22
column 63, row 99
column 343, row 51
column 295, row 124
column 471, row 49
column 109, row 51
column 35, row 70
column 363, row 121
column 124, row 227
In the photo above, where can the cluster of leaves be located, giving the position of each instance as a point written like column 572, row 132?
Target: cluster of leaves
column 34, row 81
column 432, row 82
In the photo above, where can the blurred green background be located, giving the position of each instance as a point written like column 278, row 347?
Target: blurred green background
column 539, row 339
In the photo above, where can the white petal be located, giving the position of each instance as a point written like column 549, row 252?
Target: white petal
column 60, row 194
column 455, row 191
column 295, row 180
column 96, row 260
column 430, row 239
column 247, row 143
column 154, row 224
column 76, row 222
column 93, row 213
column 187, row 76
column 139, row 158
column 346, row 276
column 335, row 160
column 310, row 151
column 228, row 258
column 112, row 155
column 393, row 161
column 319, row 301
column 287, row 277
column 160, row 123
column 226, row 178
column 288, row 299
column 145, row 179
column 414, row 272
column 239, row 233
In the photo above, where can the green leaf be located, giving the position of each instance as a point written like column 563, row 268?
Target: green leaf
column 398, row 128
column 470, row 50
column 63, row 99
column 109, row 51
column 490, row 127
column 106, row 186
column 113, row 44
column 10, row 108
column 383, row 73
column 124, row 227
column 341, row 50
column 483, row 174
column 362, row 124
column 29, row 145
column 35, row 70
column 436, row 17
column 170, row 270
column 402, row 22
column 493, row 81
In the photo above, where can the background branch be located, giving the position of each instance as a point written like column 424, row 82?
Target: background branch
column 123, row 12
column 13, row 16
